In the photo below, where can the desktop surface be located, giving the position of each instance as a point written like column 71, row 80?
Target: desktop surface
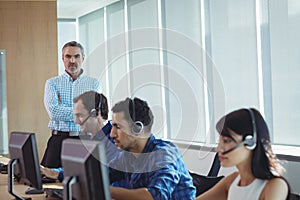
column 20, row 188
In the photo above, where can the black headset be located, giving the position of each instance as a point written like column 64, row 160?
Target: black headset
column 137, row 126
column 250, row 140
column 94, row 111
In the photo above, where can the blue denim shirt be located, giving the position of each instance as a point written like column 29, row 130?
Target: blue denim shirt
column 160, row 168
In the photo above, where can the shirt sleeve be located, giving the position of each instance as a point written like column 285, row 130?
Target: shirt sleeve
column 61, row 173
column 162, row 182
column 98, row 87
column 56, row 111
column 169, row 178
column 116, row 170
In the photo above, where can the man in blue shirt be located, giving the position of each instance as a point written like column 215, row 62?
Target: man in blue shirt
column 58, row 96
column 91, row 113
column 149, row 168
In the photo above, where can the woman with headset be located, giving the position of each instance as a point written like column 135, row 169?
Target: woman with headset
column 244, row 142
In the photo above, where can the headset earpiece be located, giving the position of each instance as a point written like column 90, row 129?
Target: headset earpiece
column 250, row 141
column 94, row 112
column 137, row 127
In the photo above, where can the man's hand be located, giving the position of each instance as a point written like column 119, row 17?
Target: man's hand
column 50, row 173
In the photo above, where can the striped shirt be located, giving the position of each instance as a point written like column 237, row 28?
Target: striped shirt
column 58, row 99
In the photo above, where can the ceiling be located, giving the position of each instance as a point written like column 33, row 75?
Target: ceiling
column 77, row 8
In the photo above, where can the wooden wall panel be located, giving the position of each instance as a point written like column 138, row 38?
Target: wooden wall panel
column 28, row 33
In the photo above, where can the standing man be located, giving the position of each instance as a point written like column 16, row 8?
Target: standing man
column 149, row 168
column 91, row 113
column 58, row 96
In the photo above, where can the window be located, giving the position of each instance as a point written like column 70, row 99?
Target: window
column 66, row 29
column 197, row 60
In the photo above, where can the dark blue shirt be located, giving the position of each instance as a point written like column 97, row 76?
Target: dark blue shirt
column 159, row 168
column 103, row 136
column 109, row 145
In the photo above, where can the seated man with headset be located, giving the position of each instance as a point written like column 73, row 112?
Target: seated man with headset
column 149, row 168
column 91, row 113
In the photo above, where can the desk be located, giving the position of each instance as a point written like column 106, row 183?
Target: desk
column 18, row 188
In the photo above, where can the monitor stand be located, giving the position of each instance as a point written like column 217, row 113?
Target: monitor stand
column 67, row 183
column 11, row 165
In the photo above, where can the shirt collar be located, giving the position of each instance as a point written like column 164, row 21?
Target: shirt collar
column 66, row 74
column 149, row 144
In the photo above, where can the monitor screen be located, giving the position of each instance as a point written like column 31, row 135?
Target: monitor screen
column 84, row 165
column 24, row 162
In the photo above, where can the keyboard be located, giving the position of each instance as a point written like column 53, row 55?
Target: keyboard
column 3, row 168
column 48, row 180
column 56, row 193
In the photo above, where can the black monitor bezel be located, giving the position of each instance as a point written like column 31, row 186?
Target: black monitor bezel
column 24, row 163
column 84, row 164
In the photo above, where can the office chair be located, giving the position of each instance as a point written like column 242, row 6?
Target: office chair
column 204, row 183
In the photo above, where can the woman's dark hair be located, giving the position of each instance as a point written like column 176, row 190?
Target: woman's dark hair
column 264, row 164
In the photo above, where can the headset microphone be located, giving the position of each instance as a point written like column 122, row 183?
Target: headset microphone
column 83, row 122
column 93, row 112
column 249, row 141
column 245, row 142
column 233, row 148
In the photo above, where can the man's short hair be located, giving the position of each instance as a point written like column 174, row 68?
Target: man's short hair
column 135, row 110
column 74, row 44
column 92, row 100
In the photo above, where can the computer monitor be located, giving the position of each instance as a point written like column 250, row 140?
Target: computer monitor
column 85, row 170
column 24, row 163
